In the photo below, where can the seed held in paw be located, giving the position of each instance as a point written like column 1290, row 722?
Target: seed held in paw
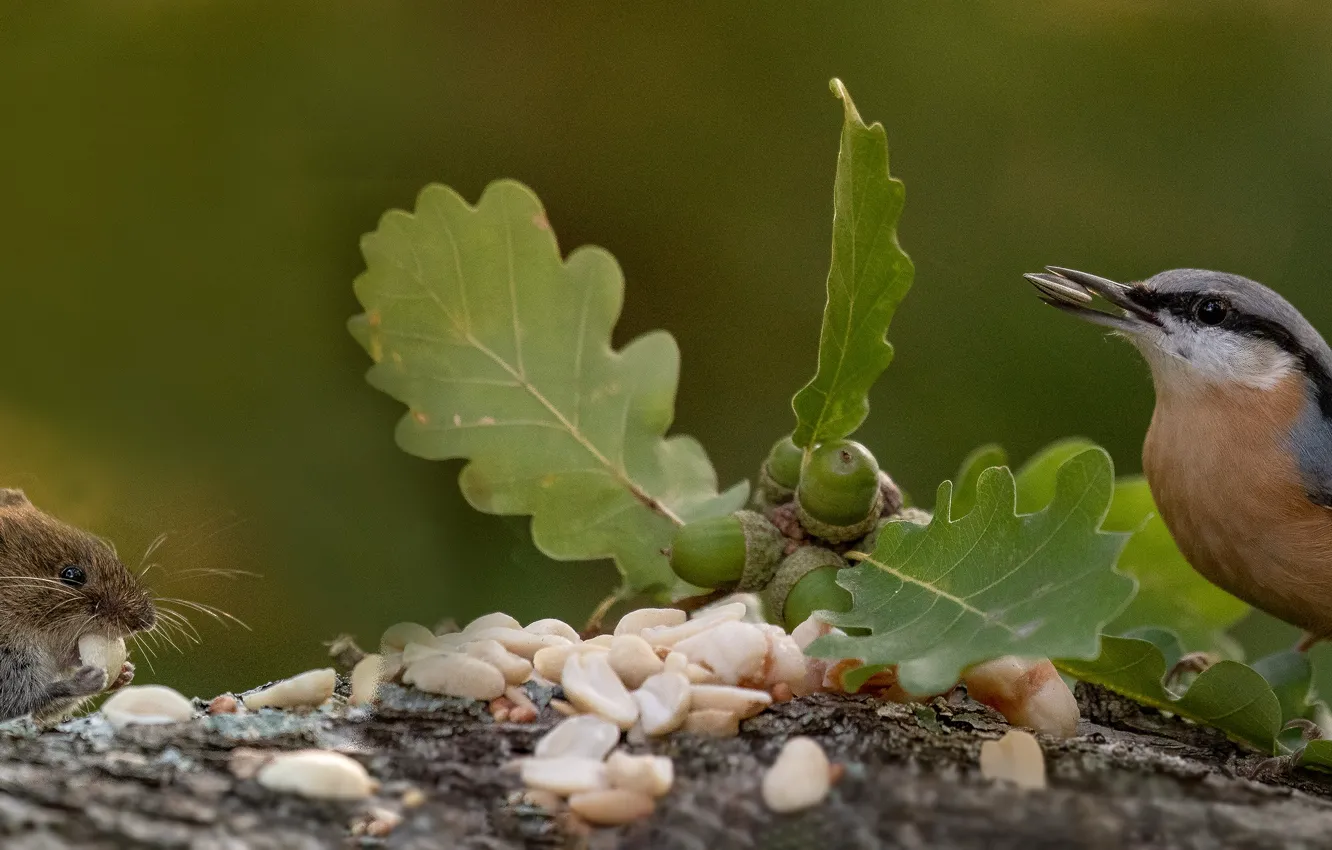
column 107, row 654
column 1016, row 757
column 317, row 774
column 800, row 777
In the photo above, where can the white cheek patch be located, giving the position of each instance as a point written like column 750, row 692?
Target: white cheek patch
column 1185, row 354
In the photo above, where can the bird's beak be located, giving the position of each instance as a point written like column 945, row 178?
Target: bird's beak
column 1072, row 291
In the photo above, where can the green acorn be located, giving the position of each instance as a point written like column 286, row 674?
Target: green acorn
column 839, row 497
column 779, row 474
column 805, row 582
column 741, row 549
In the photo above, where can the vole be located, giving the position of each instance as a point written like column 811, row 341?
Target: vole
column 57, row 584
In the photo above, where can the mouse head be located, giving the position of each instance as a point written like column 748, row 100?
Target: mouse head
column 60, row 582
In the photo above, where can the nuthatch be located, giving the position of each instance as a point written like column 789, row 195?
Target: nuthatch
column 1239, row 452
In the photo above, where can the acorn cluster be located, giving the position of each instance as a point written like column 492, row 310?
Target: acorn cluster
column 809, row 510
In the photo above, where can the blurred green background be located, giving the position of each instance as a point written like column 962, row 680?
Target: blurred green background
column 184, row 185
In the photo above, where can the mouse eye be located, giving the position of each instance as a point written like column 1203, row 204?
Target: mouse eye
column 1211, row 311
column 73, row 576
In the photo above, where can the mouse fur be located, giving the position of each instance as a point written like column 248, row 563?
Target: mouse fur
column 44, row 610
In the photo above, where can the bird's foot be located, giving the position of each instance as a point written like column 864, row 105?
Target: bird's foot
column 1192, row 662
column 1279, row 766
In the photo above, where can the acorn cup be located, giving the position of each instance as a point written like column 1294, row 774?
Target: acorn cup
column 779, row 474
column 741, row 549
column 805, row 582
column 839, row 497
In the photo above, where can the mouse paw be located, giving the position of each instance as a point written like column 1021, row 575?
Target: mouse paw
column 126, row 676
column 86, row 681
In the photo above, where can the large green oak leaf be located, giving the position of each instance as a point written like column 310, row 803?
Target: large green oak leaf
column 938, row 598
column 1171, row 594
column 500, row 348
column 869, row 277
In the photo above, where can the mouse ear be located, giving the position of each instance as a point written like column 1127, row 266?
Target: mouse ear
column 11, row 498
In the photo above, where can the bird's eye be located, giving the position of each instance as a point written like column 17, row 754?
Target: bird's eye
column 1211, row 311
column 73, row 576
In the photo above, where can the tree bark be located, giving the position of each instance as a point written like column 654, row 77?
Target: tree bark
column 1132, row 778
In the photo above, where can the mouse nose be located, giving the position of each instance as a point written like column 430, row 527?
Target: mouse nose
column 145, row 615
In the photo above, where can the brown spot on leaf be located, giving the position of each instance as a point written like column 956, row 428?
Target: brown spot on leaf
column 420, row 417
column 541, row 222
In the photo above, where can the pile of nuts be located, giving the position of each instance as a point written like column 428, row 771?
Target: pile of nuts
column 659, row 672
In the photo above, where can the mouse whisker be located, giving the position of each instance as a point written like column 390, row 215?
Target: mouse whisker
column 210, row 571
column 210, row 610
column 179, row 622
column 152, row 547
column 146, row 653
column 166, row 637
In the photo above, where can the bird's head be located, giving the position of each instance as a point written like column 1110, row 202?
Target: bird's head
column 1199, row 329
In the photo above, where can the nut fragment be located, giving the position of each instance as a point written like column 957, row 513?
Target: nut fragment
column 733, row 650
column 365, row 680
column 669, row 636
column 663, row 702
column 785, row 661
column 518, row 641
column 566, row 775
column 800, row 777
column 515, row 669
column 414, row 652
column 651, row 775
column 223, row 704
column 496, row 620
column 552, row 626
column 584, row 735
column 317, row 774
column 1016, row 757
column 1028, row 692
column 742, row 702
column 146, row 705
column 456, row 675
column 611, row 808
column 633, row 660
column 549, row 661
column 397, row 636
column 714, row 722
column 646, row 618
column 592, row 686
column 308, row 689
